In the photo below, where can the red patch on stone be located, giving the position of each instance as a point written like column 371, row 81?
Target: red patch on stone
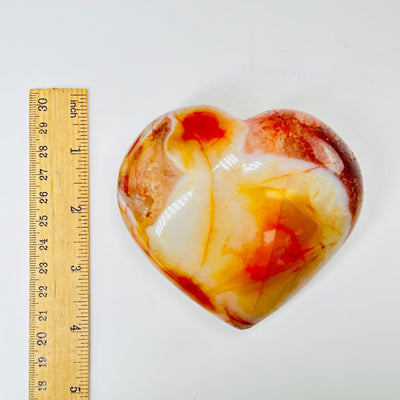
column 124, row 183
column 238, row 321
column 285, row 253
column 201, row 126
column 193, row 290
column 133, row 146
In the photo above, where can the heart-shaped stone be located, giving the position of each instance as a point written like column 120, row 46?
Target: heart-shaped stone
column 240, row 214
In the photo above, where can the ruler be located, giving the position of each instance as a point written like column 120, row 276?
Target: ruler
column 58, row 244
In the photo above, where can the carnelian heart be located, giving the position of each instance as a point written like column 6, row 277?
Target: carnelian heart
column 240, row 214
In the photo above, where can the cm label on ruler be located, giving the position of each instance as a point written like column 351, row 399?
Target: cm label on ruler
column 59, row 244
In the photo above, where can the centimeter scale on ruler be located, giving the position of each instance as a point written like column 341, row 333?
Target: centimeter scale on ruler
column 59, row 244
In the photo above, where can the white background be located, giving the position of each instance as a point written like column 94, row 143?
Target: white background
column 339, row 60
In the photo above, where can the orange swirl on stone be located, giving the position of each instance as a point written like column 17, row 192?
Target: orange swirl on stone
column 286, row 248
column 233, row 217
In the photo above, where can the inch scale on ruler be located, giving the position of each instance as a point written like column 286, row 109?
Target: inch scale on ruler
column 59, row 244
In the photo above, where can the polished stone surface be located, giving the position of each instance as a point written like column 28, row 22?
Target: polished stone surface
column 240, row 214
